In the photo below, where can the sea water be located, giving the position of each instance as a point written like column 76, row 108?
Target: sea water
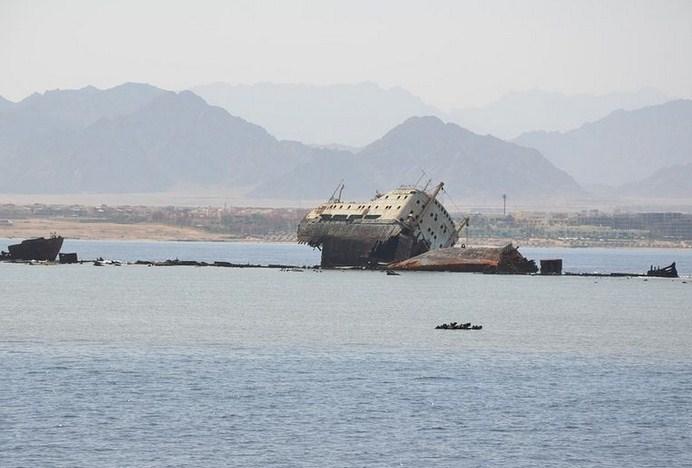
column 200, row 366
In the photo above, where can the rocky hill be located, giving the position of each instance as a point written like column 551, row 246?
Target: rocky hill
column 137, row 138
column 473, row 166
column 134, row 138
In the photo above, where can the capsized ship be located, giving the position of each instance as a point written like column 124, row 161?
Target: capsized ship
column 393, row 226
column 41, row 248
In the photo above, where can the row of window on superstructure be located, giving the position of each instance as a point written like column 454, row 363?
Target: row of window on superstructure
column 362, row 207
column 398, row 197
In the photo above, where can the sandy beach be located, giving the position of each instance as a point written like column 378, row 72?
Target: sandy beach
column 26, row 228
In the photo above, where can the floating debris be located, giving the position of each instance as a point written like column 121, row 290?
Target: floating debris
column 666, row 272
column 67, row 258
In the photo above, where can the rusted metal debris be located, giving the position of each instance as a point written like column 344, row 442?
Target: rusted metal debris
column 551, row 266
column 506, row 260
column 666, row 272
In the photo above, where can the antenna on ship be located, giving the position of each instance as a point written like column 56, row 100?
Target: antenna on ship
column 422, row 174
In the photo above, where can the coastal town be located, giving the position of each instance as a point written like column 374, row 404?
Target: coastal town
column 587, row 228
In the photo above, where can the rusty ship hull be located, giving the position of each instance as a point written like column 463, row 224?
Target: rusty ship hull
column 41, row 248
column 360, row 244
column 504, row 260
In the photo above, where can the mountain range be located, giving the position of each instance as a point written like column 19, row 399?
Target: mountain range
column 139, row 138
column 357, row 114
column 622, row 148
column 473, row 166
column 345, row 114
column 668, row 183
column 520, row 112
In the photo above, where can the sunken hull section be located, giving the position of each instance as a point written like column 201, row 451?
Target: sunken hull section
column 506, row 260
column 36, row 249
column 360, row 244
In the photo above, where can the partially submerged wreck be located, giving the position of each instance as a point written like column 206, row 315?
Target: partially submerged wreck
column 393, row 226
column 41, row 248
column 666, row 272
column 507, row 260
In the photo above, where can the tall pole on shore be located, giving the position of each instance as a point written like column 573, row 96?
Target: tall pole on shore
column 504, row 204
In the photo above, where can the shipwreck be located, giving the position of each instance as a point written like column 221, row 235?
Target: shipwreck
column 393, row 226
column 40, row 248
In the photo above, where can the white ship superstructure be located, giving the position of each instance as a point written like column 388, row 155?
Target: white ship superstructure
column 392, row 226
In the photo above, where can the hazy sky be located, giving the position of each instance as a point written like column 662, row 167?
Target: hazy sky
column 451, row 53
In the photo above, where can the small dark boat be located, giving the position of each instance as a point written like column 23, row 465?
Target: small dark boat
column 666, row 272
column 391, row 273
column 458, row 326
column 41, row 248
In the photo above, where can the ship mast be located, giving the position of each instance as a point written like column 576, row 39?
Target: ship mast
column 432, row 197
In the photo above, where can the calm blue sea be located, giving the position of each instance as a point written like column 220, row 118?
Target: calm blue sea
column 187, row 366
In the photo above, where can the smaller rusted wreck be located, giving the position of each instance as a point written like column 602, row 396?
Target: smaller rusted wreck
column 503, row 260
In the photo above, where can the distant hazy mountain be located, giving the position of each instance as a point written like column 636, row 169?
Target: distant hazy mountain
column 625, row 146
column 134, row 138
column 517, row 113
column 473, row 166
column 670, row 182
column 357, row 114
column 5, row 104
column 347, row 114
column 138, row 138
column 55, row 113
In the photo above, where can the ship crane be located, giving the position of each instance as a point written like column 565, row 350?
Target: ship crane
column 334, row 198
column 464, row 224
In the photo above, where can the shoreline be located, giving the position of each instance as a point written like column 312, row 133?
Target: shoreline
column 152, row 232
